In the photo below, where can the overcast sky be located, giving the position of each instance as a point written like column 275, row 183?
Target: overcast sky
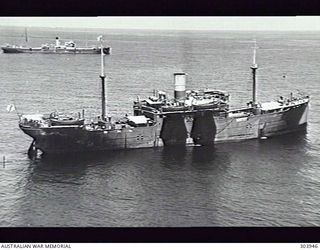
column 179, row 23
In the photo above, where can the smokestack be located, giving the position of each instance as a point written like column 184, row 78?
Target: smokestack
column 57, row 42
column 179, row 86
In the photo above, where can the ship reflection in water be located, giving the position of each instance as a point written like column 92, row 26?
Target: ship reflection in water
column 221, row 185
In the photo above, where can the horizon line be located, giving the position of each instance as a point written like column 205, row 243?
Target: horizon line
column 159, row 29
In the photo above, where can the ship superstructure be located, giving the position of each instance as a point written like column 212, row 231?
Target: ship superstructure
column 190, row 117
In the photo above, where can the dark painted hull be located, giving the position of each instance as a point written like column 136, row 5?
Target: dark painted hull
column 64, row 139
column 199, row 128
column 55, row 51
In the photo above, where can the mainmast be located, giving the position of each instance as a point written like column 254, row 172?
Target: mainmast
column 102, row 76
column 254, row 67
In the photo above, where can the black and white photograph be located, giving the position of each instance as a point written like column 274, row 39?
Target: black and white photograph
column 159, row 121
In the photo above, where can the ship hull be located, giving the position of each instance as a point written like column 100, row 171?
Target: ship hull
column 66, row 139
column 287, row 121
column 195, row 131
column 12, row 50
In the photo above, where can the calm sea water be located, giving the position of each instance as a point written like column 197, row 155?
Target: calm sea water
column 274, row 182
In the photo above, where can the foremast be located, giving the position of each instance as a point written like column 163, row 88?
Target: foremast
column 102, row 76
column 254, row 68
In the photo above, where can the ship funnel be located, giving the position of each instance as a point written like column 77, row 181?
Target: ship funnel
column 180, row 86
column 57, row 42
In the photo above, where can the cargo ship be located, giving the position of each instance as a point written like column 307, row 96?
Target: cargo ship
column 69, row 47
column 190, row 117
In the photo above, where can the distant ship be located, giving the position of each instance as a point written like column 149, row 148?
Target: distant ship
column 68, row 48
column 191, row 117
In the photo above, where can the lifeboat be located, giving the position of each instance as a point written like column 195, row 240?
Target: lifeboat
column 174, row 108
column 66, row 122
